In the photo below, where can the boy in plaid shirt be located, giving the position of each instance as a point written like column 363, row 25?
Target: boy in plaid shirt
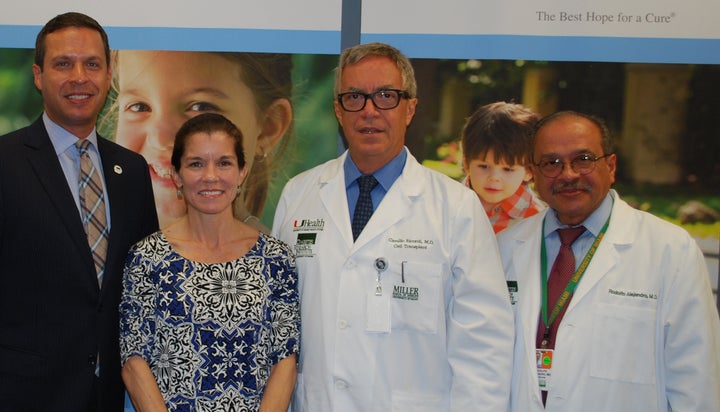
column 496, row 155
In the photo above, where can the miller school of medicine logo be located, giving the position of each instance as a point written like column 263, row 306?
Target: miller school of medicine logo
column 308, row 225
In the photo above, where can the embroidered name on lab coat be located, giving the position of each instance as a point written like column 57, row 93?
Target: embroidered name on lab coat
column 404, row 243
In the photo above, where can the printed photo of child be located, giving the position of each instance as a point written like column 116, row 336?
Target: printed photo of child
column 157, row 91
column 496, row 158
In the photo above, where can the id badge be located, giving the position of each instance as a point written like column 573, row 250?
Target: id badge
column 377, row 313
column 513, row 290
column 544, row 358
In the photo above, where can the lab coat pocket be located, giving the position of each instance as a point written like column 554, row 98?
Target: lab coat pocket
column 414, row 302
column 623, row 344
column 404, row 401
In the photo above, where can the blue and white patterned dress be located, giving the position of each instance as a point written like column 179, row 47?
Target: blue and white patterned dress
column 210, row 332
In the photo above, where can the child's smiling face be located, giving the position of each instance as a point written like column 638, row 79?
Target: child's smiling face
column 495, row 181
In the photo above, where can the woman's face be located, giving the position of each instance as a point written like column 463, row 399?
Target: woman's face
column 209, row 173
column 159, row 91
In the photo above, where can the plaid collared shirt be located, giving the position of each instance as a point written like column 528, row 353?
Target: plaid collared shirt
column 521, row 204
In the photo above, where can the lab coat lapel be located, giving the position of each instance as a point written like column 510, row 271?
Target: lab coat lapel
column 607, row 255
column 396, row 203
column 526, row 260
column 334, row 198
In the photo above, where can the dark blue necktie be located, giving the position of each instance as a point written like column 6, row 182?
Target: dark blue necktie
column 364, row 207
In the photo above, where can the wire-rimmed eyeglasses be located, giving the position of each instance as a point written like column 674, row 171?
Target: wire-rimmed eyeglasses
column 384, row 99
column 581, row 164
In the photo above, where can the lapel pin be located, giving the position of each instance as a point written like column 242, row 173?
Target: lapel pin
column 117, row 169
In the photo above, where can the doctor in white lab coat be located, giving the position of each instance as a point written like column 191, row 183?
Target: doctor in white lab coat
column 641, row 332
column 414, row 315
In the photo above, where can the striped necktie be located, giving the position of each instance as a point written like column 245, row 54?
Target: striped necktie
column 92, row 205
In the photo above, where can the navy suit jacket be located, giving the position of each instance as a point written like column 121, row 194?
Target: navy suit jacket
column 53, row 317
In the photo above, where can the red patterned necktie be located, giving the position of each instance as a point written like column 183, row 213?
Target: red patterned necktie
column 92, row 204
column 562, row 270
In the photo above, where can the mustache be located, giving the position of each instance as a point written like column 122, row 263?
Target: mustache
column 574, row 185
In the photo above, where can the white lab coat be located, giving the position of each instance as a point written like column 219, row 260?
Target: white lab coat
column 450, row 350
column 641, row 332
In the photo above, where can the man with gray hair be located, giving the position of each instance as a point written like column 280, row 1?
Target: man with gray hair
column 614, row 310
column 403, row 302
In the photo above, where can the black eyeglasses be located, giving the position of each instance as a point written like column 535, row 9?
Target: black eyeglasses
column 581, row 164
column 385, row 99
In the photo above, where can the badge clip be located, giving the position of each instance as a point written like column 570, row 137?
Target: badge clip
column 381, row 265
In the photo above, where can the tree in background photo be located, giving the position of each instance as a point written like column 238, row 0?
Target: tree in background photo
column 20, row 101
column 662, row 115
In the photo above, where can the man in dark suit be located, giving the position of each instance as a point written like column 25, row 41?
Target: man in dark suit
column 58, row 318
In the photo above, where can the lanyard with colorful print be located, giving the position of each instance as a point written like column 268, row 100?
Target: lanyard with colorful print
column 570, row 288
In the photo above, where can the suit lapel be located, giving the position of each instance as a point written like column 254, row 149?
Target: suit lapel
column 45, row 163
column 113, row 174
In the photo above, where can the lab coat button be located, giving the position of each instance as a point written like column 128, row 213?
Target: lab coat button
column 342, row 324
column 341, row 384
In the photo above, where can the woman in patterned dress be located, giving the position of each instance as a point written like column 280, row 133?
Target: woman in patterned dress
column 209, row 313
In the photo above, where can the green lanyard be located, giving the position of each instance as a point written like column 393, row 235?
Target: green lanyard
column 570, row 288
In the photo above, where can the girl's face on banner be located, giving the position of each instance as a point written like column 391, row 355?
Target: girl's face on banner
column 159, row 91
